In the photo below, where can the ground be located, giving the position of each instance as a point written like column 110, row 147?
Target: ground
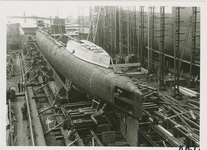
column 21, row 130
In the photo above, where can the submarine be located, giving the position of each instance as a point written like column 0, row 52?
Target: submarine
column 89, row 68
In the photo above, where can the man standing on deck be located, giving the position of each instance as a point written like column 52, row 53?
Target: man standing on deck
column 28, row 75
column 19, row 87
column 24, row 111
column 44, row 79
column 7, row 96
column 23, row 84
column 13, row 93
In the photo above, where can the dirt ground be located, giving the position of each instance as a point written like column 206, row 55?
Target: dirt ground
column 21, row 130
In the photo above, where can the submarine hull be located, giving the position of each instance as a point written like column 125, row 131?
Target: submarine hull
column 92, row 79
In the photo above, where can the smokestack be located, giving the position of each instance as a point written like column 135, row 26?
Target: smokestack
column 24, row 17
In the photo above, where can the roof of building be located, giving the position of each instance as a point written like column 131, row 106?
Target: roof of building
column 27, row 25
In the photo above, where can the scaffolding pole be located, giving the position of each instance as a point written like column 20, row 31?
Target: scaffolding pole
column 134, row 29
column 120, row 32
column 176, row 53
column 128, row 31
column 194, row 48
column 114, row 30
column 148, row 40
column 151, row 43
column 141, row 57
column 94, row 18
column 162, row 49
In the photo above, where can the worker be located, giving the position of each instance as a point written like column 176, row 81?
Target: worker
column 12, row 93
column 56, row 108
column 23, row 86
column 100, row 112
column 28, row 75
column 44, row 79
column 19, row 86
column 71, row 133
column 166, row 70
column 24, row 111
column 12, row 70
column 155, row 120
column 57, row 98
column 10, row 90
column 56, row 102
column 66, row 124
column 7, row 96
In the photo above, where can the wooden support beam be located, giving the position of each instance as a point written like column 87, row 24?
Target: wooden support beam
column 27, row 70
column 32, row 79
column 46, row 109
column 41, row 87
column 53, row 115
column 42, row 96
column 53, row 128
column 125, row 65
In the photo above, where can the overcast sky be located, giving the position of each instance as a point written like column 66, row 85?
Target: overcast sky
column 44, row 9
column 48, row 8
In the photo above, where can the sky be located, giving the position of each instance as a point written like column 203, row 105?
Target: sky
column 50, row 8
column 44, row 8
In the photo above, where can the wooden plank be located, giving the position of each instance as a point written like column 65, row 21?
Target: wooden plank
column 43, row 96
column 53, row 128
column 20, row 94
column 53, row 115
column 59, row 136
column 65, row 134
column 33, row 84
column 125, row 65
column 96, row 138
column 79, row 139
column 192, row 115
